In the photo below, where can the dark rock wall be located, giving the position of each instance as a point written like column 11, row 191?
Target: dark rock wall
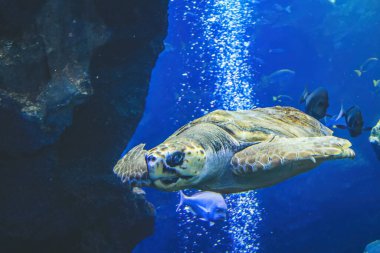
column 73, row 80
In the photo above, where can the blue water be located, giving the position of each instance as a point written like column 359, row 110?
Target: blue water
column 217, row 53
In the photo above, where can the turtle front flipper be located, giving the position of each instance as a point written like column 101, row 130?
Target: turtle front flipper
column 290, row 156
column 132, row 167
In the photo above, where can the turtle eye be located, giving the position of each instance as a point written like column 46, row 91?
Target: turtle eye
column 150, row 158
column 175, row 159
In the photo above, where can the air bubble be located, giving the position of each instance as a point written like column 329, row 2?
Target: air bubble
column 220, row 59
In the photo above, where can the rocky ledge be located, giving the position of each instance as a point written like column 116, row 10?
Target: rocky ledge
column 375, row 139
column 73, row 80
column 373, row 247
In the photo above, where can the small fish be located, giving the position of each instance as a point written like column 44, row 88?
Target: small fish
column 169, row 47
column 279, row 7
column 138, row 191
column 258, row 60
column 282, row 76
column 209, row 206
column 280, row 97
column 353, row 121
column 366, row 66
column 276, row 51
column 376, row 83
column 316, row 103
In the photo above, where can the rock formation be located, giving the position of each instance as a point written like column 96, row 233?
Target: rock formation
column 373, row 247
column 375, row 139
column 73, row 80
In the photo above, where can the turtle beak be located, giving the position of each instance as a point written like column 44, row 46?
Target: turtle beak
column 161, row 173
column 159, row 170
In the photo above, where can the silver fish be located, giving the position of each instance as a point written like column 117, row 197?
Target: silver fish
column 208, row 206
column 281, row 77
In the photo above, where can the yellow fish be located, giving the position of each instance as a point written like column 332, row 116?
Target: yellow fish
column 376, row 83
column 358, row 72
column 366, row 66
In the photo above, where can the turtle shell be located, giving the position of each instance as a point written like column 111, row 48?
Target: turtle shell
column 260, row 124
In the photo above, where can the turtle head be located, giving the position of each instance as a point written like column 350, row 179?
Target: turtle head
column 176, row 164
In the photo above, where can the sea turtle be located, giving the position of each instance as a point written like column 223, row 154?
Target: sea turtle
column 234, row 151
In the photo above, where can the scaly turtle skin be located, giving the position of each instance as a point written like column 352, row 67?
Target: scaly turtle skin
column 234, row 151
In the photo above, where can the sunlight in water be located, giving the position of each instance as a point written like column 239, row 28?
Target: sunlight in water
column 220, row 41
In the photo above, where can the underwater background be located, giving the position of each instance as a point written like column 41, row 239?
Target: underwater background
column 217, row 56
column 84, row 81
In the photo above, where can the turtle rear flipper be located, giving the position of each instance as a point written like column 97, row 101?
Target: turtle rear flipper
column 290, row 155
column 132, row 167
